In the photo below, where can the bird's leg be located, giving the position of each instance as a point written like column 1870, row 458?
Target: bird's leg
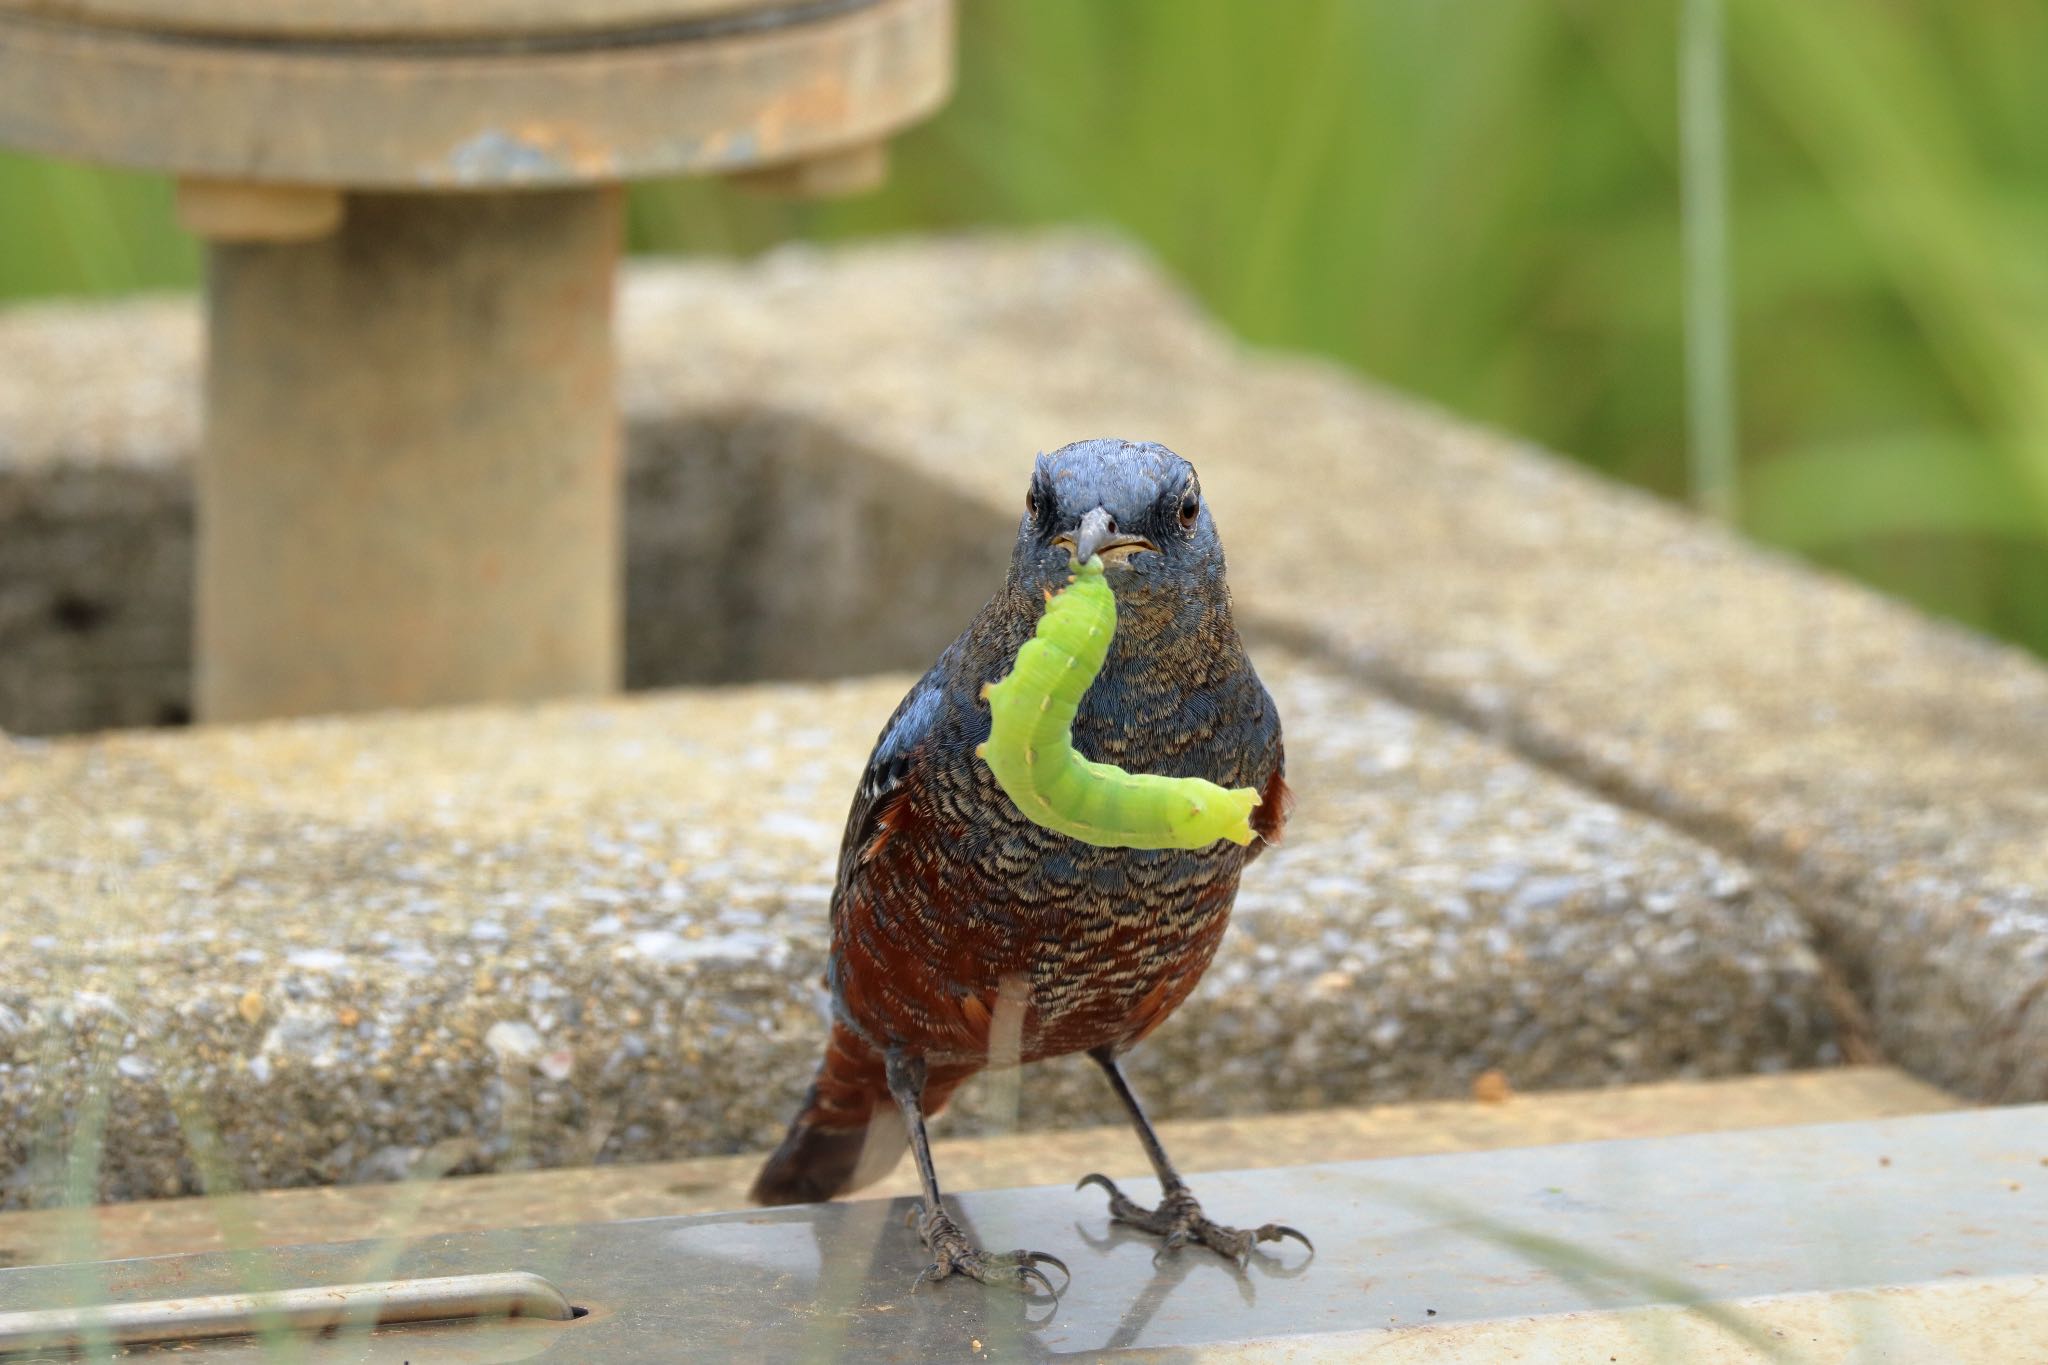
column 952, row 1253
column 1178, row 1219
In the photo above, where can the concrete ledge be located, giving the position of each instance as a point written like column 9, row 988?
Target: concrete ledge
column 1887, row 772
column 322, row 951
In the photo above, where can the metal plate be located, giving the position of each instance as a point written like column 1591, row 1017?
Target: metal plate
column 1421, row 1248
column 373, row 116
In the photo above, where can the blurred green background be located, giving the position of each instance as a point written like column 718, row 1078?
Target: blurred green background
column 1479, row 201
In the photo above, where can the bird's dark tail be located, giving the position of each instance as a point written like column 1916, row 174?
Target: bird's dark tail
column 848, row 1133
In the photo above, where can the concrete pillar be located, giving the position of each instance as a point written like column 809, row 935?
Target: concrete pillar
column 410, row 493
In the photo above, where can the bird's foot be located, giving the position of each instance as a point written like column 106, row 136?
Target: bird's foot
column 953, row 1254
column 1179, row 1220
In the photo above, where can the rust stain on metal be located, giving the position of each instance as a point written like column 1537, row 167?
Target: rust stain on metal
column 538, row 152
column 820, row 102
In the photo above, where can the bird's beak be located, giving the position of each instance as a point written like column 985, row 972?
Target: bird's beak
column 1098, row 536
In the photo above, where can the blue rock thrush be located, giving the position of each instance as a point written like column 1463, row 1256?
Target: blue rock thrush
column 958, row 926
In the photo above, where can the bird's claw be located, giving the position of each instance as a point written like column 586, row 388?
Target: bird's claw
column 1012, row 1269
column 1179, row 1220
column 1273, row 1232
column 953, row 1254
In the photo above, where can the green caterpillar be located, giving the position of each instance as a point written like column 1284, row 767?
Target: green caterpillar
column 1030, row 746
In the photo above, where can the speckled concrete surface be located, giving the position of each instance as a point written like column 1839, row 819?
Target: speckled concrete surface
column 595, row 932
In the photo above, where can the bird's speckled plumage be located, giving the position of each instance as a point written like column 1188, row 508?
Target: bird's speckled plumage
column 946, row 891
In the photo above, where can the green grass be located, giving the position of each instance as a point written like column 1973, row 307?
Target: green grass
column 1480, row 201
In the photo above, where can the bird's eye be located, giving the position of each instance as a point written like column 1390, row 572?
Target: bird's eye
column 1031, row 502
column 1190, row 507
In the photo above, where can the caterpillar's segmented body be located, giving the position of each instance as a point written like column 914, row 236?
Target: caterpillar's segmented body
column 1030, row 746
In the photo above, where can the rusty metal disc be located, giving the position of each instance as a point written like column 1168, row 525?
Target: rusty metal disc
column 685, row 86
column 392, row 19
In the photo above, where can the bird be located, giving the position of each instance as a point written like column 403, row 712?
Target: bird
column 964, row 936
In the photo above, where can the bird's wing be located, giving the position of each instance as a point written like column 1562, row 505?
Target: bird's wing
column 889, row 779
column 1269, row 817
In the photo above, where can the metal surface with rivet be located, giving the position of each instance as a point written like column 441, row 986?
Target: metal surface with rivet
column 1926, row 1236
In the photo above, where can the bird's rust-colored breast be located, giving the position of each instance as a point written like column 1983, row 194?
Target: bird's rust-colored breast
column 926, row 945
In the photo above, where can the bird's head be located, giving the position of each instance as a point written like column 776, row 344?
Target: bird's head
column 1137, row 505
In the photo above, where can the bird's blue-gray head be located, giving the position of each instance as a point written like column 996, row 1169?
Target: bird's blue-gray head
column 1139, row 506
